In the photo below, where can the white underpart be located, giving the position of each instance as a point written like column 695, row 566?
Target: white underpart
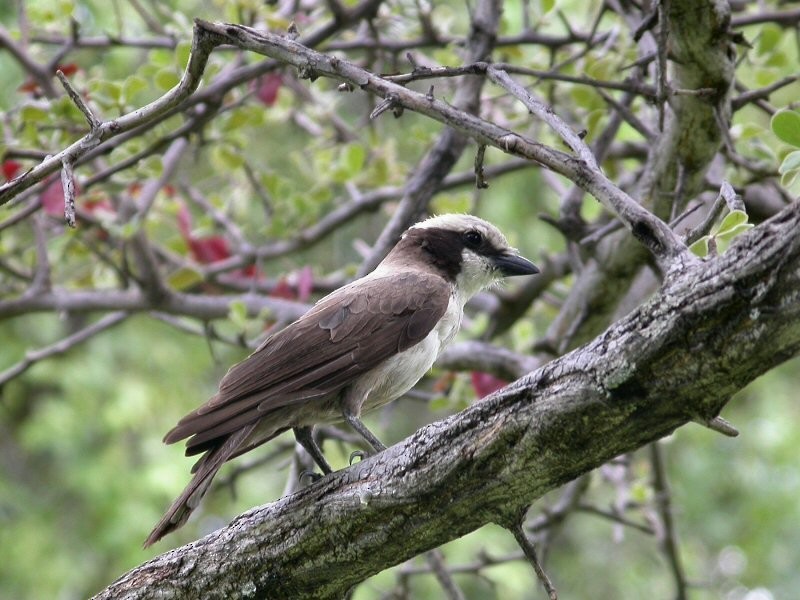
column 401, row 372
column 398, row 374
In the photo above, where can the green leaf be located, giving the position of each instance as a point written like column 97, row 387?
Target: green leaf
column 745, row 131
column 184, row 278
column 127, row 230
column 105, row 93
column 353, row 158
column 32, row 113
column 786, row 125
column 65, row 108
column 132, row 85
column 237, row 313
column 182, row 52
column 766, row 76
column 790, row 162
column 640, row 492
column 777, row 59
column 160, row 57
column 788, row 179
column 226, row 157
column 166, row 79
column 790, row 168
column 700, row 247
column 452, row 203
column 768, row 38
column 731, row 221
column 724, row 240
column 601, row 68
column 152, row 166
column 730, row 234
column 66, row 7
column 439, row 403
column 247, row 115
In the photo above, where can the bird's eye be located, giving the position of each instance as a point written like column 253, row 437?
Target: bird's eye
column 472, row 238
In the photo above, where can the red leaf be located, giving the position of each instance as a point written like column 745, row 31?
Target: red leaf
column 249, row 272
column 268, row 86
column 485, row 384
column 305, row 283
column 204, row 250
column 209, row 249
column 184, row 220
column 68, row 69
column 298, row 286
column 284, row 290
column 32, row 86
column 98, row 205
column 29, row 86
column 10, row 169
column 53, row 197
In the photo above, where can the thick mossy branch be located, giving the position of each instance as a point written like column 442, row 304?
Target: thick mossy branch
column 676, row 359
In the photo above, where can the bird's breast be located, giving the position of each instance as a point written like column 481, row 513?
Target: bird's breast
column 398, row 374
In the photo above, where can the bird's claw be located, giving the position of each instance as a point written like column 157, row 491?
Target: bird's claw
column 312, row 476
column 360, row 454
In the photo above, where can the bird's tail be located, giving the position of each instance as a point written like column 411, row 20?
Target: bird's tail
column 204, row 471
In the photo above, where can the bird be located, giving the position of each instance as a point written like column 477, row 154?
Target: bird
column 357, row 349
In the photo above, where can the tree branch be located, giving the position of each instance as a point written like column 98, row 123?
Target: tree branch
column 202, row 45
column 649, row 230
column 680, row 357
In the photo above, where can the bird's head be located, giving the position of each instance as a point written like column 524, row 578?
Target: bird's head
column 468, row 251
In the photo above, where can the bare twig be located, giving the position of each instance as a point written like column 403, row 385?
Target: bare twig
column 202, row 45
column 91, row 118
column 480, row 176
column 761, row 93
column 435, row 559
column 132, row 300
column 482, row 356
column 667, row 536
column 652, row 232
column 62, row 346
column 68, row 185
column 662, row 41
column 626, row 113
column 614, row 517
column 787, row 18
column 546, row 114
column 727, row 196
column 450, row 144
column 107, row 41
column 721, row 425
column 530, row 554
column 567, row 502
column 34, row 69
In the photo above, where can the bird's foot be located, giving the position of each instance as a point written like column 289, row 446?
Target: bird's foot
column 311, row 475
column 359, row 454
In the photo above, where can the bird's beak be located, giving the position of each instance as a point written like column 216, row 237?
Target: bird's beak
column 514, row 264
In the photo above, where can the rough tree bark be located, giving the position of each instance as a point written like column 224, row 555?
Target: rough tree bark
column 712, row 328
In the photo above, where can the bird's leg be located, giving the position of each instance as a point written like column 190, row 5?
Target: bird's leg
column 303, row 435
column 362, row 430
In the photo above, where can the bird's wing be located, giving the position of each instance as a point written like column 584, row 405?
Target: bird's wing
column 345, row 334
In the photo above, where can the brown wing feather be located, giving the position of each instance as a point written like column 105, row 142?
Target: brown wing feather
column 346, row 334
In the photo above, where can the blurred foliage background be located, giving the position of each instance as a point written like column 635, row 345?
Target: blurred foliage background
column 83, row 472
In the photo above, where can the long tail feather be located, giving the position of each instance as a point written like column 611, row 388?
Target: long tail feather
column 178, row 513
